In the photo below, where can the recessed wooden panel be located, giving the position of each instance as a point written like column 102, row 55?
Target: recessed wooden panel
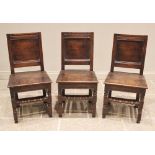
column 25, row 50
column 77, row 48
column 130, row 51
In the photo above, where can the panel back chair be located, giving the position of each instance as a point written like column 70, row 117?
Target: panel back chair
column 25, row 50
column 77, row 49
column 128, row 52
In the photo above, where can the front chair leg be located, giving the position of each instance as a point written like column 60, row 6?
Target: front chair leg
column 60, row 108
column 94, row 103
column 14, row 105
column 105, row 103
column 49, row 103
column 90, row 102
column 63, row 102
column 140, row 107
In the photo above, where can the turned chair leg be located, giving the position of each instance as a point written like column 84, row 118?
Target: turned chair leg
column 140, row 107
column 105, row 103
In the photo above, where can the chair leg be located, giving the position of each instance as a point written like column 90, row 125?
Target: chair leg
column 90, row 102
column 94, row 102
column 137, row 99
column 49, row 103
column 90, row 92
column 94, row 110
column 105, row 103
column 44, row 92
column 16, row 98
column 14, row 106
column 60, row 108
column 140, row 107
column 63, row 103
column 109, row 95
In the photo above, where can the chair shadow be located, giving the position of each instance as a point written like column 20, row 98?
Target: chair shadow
column 122, row 111
column 75, row 108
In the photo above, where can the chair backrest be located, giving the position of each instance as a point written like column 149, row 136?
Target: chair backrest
column 129, row 51
column 25, row 49
column 77, row 48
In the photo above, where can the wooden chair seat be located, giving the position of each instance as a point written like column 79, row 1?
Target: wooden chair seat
column 132, row 80
column 28, row 78
column 77, row 76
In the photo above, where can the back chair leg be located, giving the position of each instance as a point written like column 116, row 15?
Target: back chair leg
column 44, row 92
column 90, row 92
column 109, row 95
column 137, row 99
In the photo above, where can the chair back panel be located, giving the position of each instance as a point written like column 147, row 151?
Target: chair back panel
column 77, row 49
column 129, row 51
column 25, row 50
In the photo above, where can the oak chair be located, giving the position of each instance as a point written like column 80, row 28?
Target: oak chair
column 25, row 50
column 128, row 52
column 77, row 49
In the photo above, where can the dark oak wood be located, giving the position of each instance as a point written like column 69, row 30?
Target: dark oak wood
column 77, row 49
column 28, row 78
column 76, row 76
column 126, row 79
column 128, row 52
column 25, row 50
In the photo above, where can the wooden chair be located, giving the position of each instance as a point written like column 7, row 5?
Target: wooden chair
column 25, row 50
column 77, row 49
column 128, row 52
